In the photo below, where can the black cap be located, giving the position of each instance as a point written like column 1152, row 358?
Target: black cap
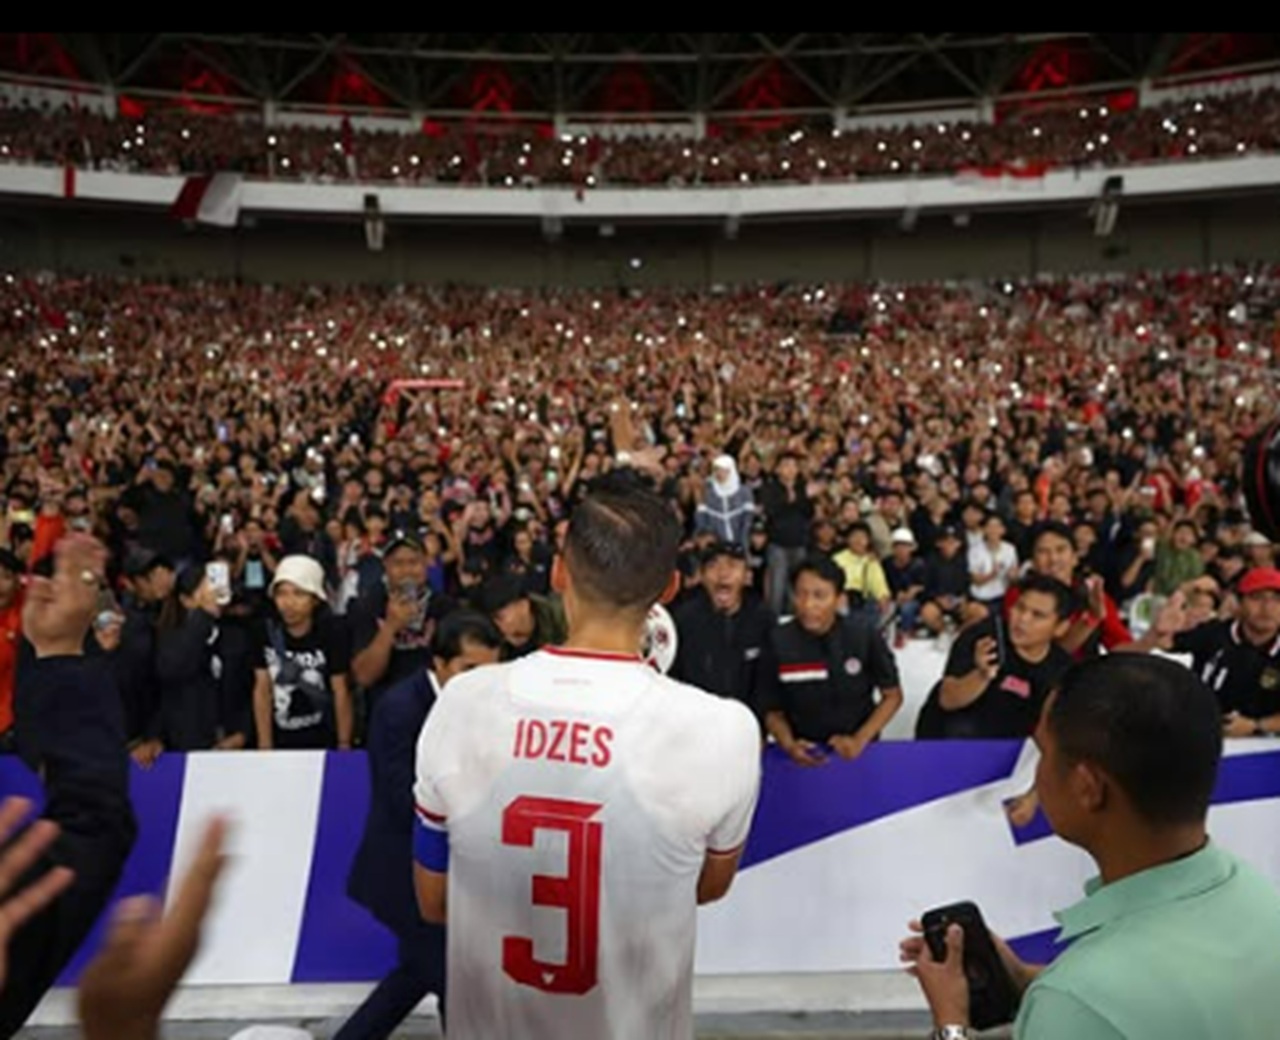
column 948, row 531
column 141, row 562
column 723, row 548
column 401, row 537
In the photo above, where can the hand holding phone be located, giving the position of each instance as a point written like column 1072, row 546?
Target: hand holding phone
column 993, row 998
column 986, row 656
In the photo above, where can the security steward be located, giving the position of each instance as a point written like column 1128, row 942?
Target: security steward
column 1238, row 660
column 822, row 692
column 723, row 631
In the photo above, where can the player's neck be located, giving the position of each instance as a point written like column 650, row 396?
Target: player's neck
column 604, row 635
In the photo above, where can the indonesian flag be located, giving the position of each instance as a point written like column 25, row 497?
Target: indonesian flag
column 1017, row 174
column 210, row 199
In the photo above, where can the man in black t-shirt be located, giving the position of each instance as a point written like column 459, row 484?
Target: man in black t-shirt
column 946, row 581
column 820, row 689
column 1238, row 660
column 999, row 675
column 392, row 625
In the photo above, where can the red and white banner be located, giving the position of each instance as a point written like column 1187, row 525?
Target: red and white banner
column 210, row 199
column 1016, row 175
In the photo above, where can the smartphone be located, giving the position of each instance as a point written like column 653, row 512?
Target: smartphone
column 1000, row 647
column 219, row 575
column 1148, row 545
column 992, row 999
column 108, row 610
column 227, row 523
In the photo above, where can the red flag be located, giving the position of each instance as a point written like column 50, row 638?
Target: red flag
column 68, row 182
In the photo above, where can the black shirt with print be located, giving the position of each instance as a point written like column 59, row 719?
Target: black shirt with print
column 301, row 670
column 1010, row 705
column 1245, row 678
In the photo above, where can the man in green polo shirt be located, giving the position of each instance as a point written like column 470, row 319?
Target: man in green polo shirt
column 1176, row 939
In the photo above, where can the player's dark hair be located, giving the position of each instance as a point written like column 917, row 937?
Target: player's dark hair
column 1151, row 724
column 622, row 546
column 1064, row 600
column 463, row 626
column 822, row 567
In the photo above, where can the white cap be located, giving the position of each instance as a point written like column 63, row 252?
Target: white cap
column 273, row 1033
column 302, row 571
column 903, row 536
column 1256, row 539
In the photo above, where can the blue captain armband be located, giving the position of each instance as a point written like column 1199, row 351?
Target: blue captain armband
column 430, row 842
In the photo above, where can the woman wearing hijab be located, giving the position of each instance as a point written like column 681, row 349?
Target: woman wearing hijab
column 727, row 508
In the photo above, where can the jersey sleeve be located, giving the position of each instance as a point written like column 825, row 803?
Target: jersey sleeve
column 431, row 814
column 739, row 771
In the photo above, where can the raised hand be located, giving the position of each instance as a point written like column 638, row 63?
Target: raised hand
column 125, row 989
column 59, row 610
column 19, row 908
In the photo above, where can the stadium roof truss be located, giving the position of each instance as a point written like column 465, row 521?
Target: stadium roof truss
column 635, row 76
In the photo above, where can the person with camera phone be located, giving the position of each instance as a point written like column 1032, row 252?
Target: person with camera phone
column 301, row 695
column 1176, row 937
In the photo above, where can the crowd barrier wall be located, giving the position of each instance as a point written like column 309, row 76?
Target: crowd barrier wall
column 889, row 195
column 839, row 858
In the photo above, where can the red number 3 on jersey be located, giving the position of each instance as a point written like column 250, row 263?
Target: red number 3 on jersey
column 577, row 892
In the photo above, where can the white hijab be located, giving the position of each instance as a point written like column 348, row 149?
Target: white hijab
column 730, row 485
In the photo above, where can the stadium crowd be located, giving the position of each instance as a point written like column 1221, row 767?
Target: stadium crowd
column 1042, row 465
column 176, row 141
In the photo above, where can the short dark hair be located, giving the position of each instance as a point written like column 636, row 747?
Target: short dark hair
column 1151, row 724
column 1064, row 600
column 1051, row 527
column 858, row 525
column 622, row 546
column 461, row 626
column 500, row 591
column 822, row 567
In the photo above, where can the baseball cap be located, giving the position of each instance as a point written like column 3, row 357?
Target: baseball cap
column 302, row 571
column 948, row 531
column 723, row 548
column 141, row 562
column 902, row 536
column 1260, row 579
column 1256, row 539
column 401, row 537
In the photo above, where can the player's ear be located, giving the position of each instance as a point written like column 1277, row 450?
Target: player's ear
column 559, row 575
column 672, row 589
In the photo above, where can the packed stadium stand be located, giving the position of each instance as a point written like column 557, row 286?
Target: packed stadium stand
column 948, row 311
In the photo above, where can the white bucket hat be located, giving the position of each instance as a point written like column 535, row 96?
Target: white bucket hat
column 302, row 571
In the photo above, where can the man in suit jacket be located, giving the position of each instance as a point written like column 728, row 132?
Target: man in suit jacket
column 381, row 877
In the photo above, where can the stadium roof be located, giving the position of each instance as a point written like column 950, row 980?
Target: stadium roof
column 651, row 76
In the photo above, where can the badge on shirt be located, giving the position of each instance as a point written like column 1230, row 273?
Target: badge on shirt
column 1017, row 686
column 853, row 666
column 1270, row 678
column 751, row 653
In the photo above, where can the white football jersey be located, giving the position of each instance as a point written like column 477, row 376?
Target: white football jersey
column 573, row 797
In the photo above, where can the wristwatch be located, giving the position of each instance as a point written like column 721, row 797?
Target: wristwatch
column 954, row 1033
